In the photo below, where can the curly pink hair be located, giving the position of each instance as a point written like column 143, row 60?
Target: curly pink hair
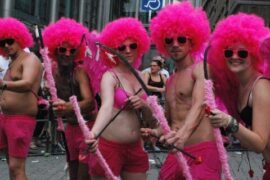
column 15, row 29
column 116, row 32
column 240, row 28
column 65, row 31
column 180, row 19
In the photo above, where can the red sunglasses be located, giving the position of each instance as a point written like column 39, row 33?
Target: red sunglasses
column 241, row 53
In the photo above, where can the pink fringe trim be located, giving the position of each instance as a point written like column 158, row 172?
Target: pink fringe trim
column 49, row 77
column 87, row 135
column 158, row 113
column 210, row 101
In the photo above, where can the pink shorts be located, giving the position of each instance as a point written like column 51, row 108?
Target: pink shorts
column 75, row 141
column 120, row 157
column 209, row 169
column 266, row 167
column 16, row 133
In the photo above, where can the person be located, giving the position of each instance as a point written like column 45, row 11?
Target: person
column 63, row 40
column 154, row 80
column 120, row 143
column 18, row 95
column 236, row 67
column 180, row 31
column 3, row 66
column 163, row 71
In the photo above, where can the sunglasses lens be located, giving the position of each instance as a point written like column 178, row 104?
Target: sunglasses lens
column 182, row 39
column 228, row 53
column 62, row 50
column 2, row 43
column 121, row 48
column 10, row 41
column 6, row 41
column 242, row 54
column 72, row 51
column 133, row 46
column 168, row 40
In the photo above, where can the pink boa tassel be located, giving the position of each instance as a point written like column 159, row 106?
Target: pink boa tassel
column 49, row 77
column 87, row 135
column 158, row 113
column 210, row 101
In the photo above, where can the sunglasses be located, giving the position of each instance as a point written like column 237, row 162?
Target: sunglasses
column 180, row 40
column 228, row 53
column 63, row 50
column 132, row 46
column 6, row 41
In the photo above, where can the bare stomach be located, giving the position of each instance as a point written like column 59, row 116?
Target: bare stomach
column 124, row 129
column 19, row 103
column 202, row 133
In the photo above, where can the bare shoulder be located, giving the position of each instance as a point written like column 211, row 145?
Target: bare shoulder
column 198, row 70
column 262, row 87
column 108, row 77
column 31, row 58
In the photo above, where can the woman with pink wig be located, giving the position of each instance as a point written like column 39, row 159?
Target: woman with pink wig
column 18, row 100
column 120, row 143
column 66, row 49
column 237, row 70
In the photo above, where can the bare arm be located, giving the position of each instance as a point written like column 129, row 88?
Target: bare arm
column 107, row 95
column 257, row 138
column 193, row 117
column 87, row 103
column 31, row 74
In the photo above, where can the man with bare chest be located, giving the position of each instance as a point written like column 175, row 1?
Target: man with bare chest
column 18, row 100
column 180, row 35
column 63, row 40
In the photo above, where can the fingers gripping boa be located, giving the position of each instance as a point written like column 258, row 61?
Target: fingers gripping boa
column 158, row 113
column 49, row 77
column 87, row 135
column 210, row 101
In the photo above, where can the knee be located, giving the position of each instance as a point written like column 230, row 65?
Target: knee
column 15, row 168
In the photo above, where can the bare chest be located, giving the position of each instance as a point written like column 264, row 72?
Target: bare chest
column 180, row 86
column 14, row 73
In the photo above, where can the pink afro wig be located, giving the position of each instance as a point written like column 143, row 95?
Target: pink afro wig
column 15, row 29
column 265, row 54
column 240, row 28
column 180, row 19
column 116, row 32
column 65, row 31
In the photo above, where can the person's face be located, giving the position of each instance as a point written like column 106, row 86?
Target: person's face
column 237, row 57
column 10, row 46
column 129, row 49
column 65, row 54
column 154, row 67
column 178, row 47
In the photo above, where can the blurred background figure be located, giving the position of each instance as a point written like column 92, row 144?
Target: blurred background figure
column 155, row 80
column 162, row 69
column 3, row 66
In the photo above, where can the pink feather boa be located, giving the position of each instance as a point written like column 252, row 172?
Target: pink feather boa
column 87, row 135
column 49, row 77
column 210, row 101
column 158, row 113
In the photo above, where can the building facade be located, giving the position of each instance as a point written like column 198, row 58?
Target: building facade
column 94, row 14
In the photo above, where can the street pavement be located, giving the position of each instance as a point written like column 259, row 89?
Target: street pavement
column 52, row 167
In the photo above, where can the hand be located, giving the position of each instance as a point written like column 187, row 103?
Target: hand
column 174, row 138
column 135, row 102
column 60, row 107
column 92, row 142
column 219, row 118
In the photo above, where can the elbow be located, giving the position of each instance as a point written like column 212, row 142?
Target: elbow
column 28, row 86
column 259, row 149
